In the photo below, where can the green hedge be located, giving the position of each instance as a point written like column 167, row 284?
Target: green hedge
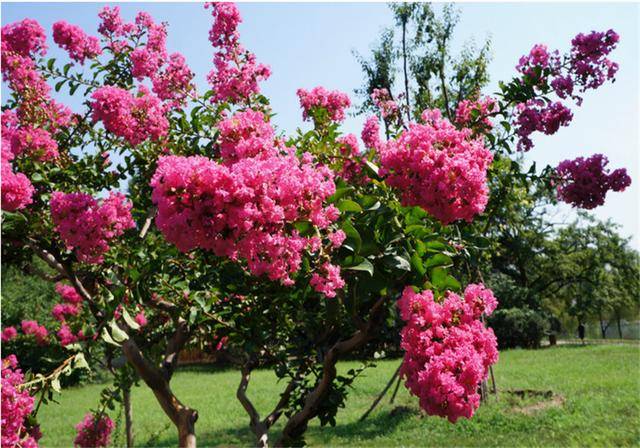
column 518, row 327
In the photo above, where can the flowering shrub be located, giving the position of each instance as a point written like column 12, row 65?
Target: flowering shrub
column 93, row 431
column 243, row 232
column 584, row 182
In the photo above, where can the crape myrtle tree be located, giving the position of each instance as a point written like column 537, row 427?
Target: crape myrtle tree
column 212, row 227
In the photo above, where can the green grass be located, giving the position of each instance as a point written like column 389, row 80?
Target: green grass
column 600, row 386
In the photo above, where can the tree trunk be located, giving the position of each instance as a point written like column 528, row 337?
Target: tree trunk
column 298, row 422
column 128, row 415
column 619, row 327
column 406, row 72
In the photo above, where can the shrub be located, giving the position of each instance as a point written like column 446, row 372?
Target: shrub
column 518, row 327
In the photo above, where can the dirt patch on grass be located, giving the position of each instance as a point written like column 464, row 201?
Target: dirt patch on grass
column 529, row 401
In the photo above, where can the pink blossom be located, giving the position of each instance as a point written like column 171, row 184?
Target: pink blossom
column 333, row 102
column 328, row 280
column 141, row 319
column 371, row 133
column 246, row 134
column 243, row 210
column 9, row 333
column 79, row 45
column 60, row 311
column 584, row 182
column 94, row 431
column 25, row 38
column 34, row 142
column 68, row 294
column 136, row 119
column 439, row 168
column 236, row 74
column 17, row 190
column 66, row 336
column 382, row 100
column 31, row 327
column 448, row 350
column 17, row 406
column 535, row 62
column 352, row 160
column 589, row 64
column 174, row 82
column 483, row 109
column 87, row 226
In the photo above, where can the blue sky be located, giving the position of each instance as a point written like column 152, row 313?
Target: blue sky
column 311, row 44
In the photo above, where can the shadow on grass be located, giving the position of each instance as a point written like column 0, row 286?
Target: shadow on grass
column 375, row 426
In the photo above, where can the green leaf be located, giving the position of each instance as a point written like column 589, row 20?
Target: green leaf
column 348, row 205
column 107, row 337
column 397, row 262
column 372, row 168
column 417, row 265
column 50, row 63
column 438, row 260
column 439, row 277
column 59, row 85
column 304, row 227
column 117, row 333
column 353, row 237
column 340, row 192
column 365, row 266
column 129, row 320
column 55, row 384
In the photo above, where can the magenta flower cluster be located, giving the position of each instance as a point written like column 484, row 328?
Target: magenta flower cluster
column 17, row 405
column 333, row 102
column 439, row 168
column 86, row 226
column 536, row 115
column 448, row 350
column 585, row 67
column 236, row 73
column 71, row 306
column 79, row 45
column 134, row 118
column 94, row 431
column 352, row 166
column 328, row 280
column 584, row 182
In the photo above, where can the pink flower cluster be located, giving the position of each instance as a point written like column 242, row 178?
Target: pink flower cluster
column 93, row 431
column 439, row 168
column 535, row 115
column 333, row 102
column 22, row 42
column 328, row 280
column 17, row 190
column 352, row 161
column 584, row 182
column 9, row 333
column 76, row 42
column 481, row 109
column 236, row 72
column 371, row 133
column 243, row 210
column 39, row 332
column 87, row 226
column 71, row 306
column 246, row 134
column 382, row 100
column 135, row 118
column 17, row 405
column 448, row 350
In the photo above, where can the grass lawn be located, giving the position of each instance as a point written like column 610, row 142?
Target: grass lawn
column 600, row 387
